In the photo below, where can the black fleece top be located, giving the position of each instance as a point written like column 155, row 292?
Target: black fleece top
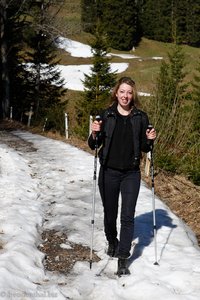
column 120, row 154
column 114, row 141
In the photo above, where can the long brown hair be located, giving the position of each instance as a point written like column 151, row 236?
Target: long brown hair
column 135, row 101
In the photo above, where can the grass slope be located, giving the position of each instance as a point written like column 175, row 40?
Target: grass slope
column 144, row 70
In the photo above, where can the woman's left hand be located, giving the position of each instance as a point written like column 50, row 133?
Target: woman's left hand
column 151, row 134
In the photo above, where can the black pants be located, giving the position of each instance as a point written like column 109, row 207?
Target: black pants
column 111, row 184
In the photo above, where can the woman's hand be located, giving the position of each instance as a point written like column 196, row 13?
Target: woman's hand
column 151, row 134
column 96, row 127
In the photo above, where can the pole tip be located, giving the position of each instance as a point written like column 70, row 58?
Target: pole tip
column 90, row 264
column 156, row 263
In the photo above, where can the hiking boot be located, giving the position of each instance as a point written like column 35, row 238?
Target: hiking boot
column 122, row 267
column 113, row 248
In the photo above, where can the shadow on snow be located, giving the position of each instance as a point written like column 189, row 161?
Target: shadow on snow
column 144, row 231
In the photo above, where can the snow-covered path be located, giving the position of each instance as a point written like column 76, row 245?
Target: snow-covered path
column 50, row 187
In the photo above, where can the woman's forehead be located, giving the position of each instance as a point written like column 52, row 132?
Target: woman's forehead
column 125, row 86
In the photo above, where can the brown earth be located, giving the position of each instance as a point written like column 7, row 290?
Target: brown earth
column 178, row 193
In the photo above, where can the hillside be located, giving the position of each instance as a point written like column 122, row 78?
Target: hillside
column 178, row 193
column 145, row 70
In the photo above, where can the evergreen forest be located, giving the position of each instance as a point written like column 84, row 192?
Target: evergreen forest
column 30, row 79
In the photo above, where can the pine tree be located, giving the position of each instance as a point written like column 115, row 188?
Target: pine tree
column 97, row 85
column 119, row 19
column 169, row 112
column 156, row 20
column 192, row 160
column 192, row 33
column 188, row 160
column 121, row 23
column 171, row 21
column 45, row 82
column 12, row 25
column 17, row 33
column 196, row 97
column 89, row 15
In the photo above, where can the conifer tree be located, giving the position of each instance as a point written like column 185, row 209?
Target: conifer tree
column 119, row 19
column 188, row 22
column 89, row 15
column 12, row 74
column 168, row 112
column 121, row 23
column 196, row 97
column 193, row 26
column 192, row 160
column 97, row 85
column 17, row 34
column 45, row 81
column 171, row 21
column 156, row 20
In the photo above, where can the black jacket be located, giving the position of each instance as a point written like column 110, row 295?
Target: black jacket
column 139, row 121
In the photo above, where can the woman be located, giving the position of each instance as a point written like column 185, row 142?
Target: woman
column 122, row 132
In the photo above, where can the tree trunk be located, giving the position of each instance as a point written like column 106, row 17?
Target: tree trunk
column 5, row 98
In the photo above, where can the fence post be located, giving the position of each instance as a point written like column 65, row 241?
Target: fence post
column 90, row 123
column 30, row 113
column 44, row 126
column 147, row 164
column 66, row 126
column 11, row 112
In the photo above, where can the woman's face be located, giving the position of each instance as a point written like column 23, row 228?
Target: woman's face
column 125, row 95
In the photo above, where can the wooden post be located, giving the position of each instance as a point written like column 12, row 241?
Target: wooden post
column 11, row 113
column 66, row 126
column 45, row 122
column 29, row 116
column 90, row 123
column 147, row 164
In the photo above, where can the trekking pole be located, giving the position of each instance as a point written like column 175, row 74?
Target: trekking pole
column 153, row 204
column 94, row 197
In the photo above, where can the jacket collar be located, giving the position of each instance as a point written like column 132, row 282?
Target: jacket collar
column 135, row 111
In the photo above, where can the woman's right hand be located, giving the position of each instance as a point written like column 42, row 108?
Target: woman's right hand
column 95, row 127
